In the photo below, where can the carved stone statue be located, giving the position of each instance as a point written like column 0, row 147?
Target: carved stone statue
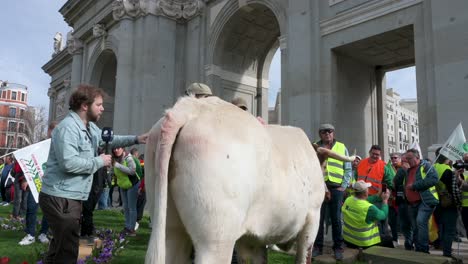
column 174, row 9
column 99, row 31
column 57, row 43
column 74, row 46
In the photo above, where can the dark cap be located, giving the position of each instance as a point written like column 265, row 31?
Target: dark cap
column 326, row 127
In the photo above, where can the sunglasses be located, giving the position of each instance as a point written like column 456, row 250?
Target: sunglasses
column 394, row 157
column 329, row 131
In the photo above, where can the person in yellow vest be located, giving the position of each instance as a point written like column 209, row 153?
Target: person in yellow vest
column 374, row 171
column 446, row 212
column 128, row 180
column 418, row 178
column 337, row 175
column 462, row 175
column 360, row 217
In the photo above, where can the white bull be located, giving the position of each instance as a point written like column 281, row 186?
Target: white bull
column 215, row 176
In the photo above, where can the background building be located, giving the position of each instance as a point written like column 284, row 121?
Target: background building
column 402, row 122
column 14, row 128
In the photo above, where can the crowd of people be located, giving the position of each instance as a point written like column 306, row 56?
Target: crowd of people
column 370, row 201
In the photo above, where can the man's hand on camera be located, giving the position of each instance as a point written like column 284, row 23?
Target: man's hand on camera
column 107, row 159
column 142, row 138
column 385, row 195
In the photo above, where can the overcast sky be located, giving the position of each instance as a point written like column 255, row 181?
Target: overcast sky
column 29, row 26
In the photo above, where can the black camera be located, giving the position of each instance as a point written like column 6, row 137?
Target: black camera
column 460, row 165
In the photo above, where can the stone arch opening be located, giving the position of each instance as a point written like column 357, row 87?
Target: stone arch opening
column 104, row 76
column 360, row 70
column 242, row 56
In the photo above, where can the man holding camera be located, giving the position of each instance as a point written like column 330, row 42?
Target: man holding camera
column 360, row 216
column 461, row 172
column 446, row 212
column 73, row 158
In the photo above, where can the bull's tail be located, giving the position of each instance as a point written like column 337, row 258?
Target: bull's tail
column 158, row 153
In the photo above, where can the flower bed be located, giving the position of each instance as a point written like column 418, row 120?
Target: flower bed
column 108, row 245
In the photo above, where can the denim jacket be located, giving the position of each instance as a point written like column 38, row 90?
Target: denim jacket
column 73, row 158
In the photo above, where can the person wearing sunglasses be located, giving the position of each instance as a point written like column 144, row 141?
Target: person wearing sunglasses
column 337, row 176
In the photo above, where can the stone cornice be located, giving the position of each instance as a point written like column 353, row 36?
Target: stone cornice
column 362, row 13
column 57, row 62
column 73, row 9
column 179, row 10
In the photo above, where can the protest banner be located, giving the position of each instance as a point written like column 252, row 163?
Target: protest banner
column 456, row 145
column 32, row 160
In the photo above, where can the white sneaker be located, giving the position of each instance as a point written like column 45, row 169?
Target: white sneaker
column 136, row 226
column 27, row 240
column 43, row 238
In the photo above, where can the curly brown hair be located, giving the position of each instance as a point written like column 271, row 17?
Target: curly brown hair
column 84, row 94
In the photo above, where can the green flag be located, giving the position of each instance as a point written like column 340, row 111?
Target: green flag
column 456, row 145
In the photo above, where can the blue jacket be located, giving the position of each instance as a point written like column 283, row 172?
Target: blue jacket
column 73, row 158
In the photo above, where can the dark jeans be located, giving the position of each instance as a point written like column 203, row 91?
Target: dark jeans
column 141, row 201
column 405, row 225
column 87, row 224
column 464, row 215
column 334, row 209
column 3, row 190
column 393, row 221
column 419, row 215
column 31, row 216
column 447, row 228
column 64, row 219
column 20, row 201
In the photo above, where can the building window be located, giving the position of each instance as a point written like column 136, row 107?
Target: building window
column 400, row 136
column 10, row 141
column 12, row 112
column 412, row 128
column 13, row 95
column 21, row 113
column 21, row 128
column 12, row 126
column 3, row 94
column 20, row 142
column 22, row 97
column 399, row 123
column 412, row 138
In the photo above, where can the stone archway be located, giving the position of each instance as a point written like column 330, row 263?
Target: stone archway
column 103, row 75
column 242, row 53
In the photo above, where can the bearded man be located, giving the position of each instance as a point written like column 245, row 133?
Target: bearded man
column 73, row 159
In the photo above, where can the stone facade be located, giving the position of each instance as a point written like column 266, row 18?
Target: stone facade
column 334, row 56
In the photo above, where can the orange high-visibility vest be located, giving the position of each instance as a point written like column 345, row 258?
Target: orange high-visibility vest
column 372, row 173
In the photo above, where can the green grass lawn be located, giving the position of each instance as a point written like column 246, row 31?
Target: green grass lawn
column 109, row 219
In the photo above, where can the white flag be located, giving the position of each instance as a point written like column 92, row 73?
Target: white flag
column 32, row 160
column 456, row 145
column 416, row 146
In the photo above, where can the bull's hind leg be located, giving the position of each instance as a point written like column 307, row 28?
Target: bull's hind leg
column 213, row 252
column 178, row 242
column 307, row 236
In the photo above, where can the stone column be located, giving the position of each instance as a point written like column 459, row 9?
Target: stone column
column 75, row 48
column 441, row 63
column 52, row 93
column 147, row 71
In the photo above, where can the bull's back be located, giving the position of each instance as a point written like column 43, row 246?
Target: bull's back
column 215, row 168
